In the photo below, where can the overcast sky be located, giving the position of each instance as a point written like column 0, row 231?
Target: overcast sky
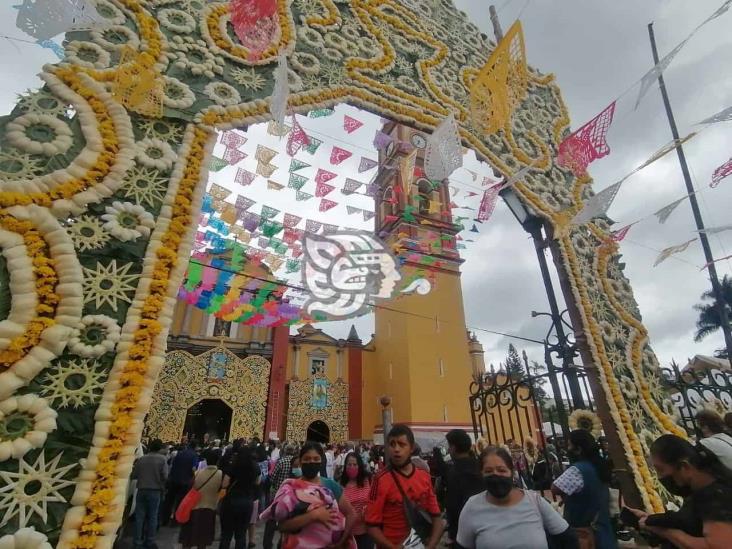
column 597, row 50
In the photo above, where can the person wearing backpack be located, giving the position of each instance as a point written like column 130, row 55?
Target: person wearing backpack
column 199, row 530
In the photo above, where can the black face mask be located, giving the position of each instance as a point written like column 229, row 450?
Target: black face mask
column 310, row 470
column 497, row 485
column 674, row 488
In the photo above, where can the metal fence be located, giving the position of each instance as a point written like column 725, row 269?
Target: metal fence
column 693, row 389
column 507, row 407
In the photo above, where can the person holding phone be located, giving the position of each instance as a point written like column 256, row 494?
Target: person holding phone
column 705, row 518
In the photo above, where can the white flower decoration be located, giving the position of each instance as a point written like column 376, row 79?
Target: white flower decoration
column 127, row 221
column 39, row 134
column 587, row 420
column 87, row 54
column 176, row 21
column 176, row 94
column 25, row 422
column 305, row 63
column 628, row 388
column 25, row 538
column 110, row 12
column 115, row 38
column 222, row 94
column 155, row 153
column 96, row 335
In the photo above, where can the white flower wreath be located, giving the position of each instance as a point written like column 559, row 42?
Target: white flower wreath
column 176, row 94
column 155, row 153
column 115, row 38
column 110, row 12
column 25, row 422
column 87, row 54
column 587, row 420
column 222, row 94
column 176, row 20
column 96, row 335
column 310, row 37
column 48, row 134
column 305, row 63
column 126, row 221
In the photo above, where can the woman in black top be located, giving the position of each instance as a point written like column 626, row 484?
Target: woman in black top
column 240, row 482
column 694, row 473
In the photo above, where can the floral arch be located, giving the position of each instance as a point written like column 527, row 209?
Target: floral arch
column 84, row 338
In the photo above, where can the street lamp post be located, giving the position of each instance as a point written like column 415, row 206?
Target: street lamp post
column 563, row 348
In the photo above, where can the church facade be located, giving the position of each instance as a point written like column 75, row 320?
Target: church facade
column 229, row 380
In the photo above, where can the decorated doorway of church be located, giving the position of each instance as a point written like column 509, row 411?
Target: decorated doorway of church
column 318, row 431
column 208, row 419
column 193, row 391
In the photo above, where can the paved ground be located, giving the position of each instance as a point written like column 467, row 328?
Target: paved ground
column 167, row 537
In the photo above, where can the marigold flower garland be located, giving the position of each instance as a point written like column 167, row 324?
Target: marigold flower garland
column 56, row 285
column 119, row 417
column 98, row 170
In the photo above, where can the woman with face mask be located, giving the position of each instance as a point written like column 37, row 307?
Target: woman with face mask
column 311, row 511
column 356, row 485
column 506, row 517
column 295, row 469
column 584, row 487
column 696, row 474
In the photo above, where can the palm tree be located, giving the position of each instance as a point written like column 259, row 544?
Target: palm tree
column 709, row 320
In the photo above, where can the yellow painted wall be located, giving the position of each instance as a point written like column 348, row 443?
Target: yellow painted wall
column 331, row 364
column 414, row 345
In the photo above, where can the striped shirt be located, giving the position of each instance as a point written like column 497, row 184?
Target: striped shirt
column 358, row 497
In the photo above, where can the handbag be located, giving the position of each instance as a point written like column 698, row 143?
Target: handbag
column 418, row 519
column 189, row 501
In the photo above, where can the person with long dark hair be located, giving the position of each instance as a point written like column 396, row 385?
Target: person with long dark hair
column 311, row 511
column 584, row 486
column 200, row 528
column 503, row 516
column 356, row 483
column 240, row 482
column 696, row 474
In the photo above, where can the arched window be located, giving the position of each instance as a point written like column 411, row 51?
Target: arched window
column 426, row 194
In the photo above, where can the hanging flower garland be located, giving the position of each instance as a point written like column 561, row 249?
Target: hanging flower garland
column 139, row 357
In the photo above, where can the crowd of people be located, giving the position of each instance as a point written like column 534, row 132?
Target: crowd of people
column 362, row 496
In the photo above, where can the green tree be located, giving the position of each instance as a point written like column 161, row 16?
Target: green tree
column 709, row 320
column 514, row 366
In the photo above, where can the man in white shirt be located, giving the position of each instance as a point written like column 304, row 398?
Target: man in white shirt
column 329, row 461
column 716, row 440
column 275, row 455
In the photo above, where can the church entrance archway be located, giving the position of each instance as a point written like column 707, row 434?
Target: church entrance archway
column 208, row 419
column 318, row 431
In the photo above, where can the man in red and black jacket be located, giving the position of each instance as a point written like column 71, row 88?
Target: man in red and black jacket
column 385, row 516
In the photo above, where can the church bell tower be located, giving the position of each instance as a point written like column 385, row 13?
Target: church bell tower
column 422, row 360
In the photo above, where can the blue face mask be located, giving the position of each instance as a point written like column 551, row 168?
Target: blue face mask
column 296, row 472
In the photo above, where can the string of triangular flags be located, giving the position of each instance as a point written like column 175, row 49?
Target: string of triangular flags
column 599, row 204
